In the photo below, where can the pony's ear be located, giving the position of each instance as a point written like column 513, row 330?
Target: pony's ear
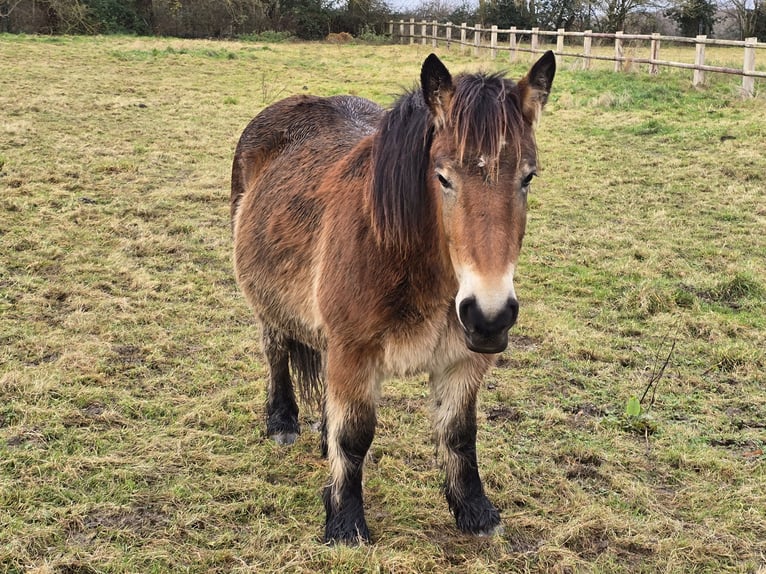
column 436, row 82
column 536, row 85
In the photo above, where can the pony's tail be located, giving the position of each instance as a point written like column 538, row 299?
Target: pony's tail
column 307, row 370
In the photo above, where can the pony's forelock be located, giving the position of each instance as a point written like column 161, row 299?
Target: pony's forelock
column 486, row 116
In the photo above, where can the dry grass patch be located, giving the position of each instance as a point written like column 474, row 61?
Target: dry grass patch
column 131, row 385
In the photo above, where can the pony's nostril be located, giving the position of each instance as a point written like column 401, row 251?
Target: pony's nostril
column 468, row 311
column 512, row 308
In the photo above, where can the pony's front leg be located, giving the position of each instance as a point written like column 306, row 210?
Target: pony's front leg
column 454, row 391
column 350, row 418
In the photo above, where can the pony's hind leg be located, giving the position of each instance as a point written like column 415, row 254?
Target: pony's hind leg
column 454, row 419
column 281, row 409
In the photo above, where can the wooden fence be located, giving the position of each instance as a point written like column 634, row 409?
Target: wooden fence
column 475, row 38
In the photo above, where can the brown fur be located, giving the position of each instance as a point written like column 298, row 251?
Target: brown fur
column 347, row 241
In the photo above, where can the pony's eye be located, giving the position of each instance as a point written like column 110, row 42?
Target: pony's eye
column 445, row 183
column 527, row 180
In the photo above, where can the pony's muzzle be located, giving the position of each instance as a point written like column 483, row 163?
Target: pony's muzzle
column 487, row 334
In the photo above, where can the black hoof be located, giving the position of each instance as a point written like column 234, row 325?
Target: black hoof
column 478, row 517
column 284, row 438
column 346, row 525
column 348, row 532
column 283, row 428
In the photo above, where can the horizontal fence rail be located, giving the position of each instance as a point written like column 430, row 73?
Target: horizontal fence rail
column 479, row 38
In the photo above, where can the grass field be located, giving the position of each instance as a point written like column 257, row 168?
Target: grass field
column 132, row 386
column 633, row 49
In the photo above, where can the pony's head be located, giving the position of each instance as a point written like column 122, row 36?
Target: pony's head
column 482, row 160
column 463, row 150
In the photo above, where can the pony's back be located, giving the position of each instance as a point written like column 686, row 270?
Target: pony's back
column 335, row 124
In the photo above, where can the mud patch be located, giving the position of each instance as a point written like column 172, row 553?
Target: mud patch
column 589, row 542
column 502, row 414
column 141, row 520
column 129, row 355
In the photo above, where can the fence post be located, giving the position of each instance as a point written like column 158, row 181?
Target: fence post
column 493, row 42
column 654, row 68
column 462, row 37
column 434, row 33
column 423, row 32
column 476, row 39
column 534, row 40
column 412, row 30
column 390, row 28
column 559, row 43
column 448, row 35
column 514, row 48
column 618, row 51
column 748, row 82
column 586, row 44
column 401, row 32
column 699, row 60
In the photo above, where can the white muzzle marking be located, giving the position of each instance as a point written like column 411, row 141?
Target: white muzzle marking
column 491, row 293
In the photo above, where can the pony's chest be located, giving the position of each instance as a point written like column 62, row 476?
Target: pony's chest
column 413, row 347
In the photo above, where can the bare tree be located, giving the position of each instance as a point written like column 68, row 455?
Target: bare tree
column 616, row 12
column 436, row 9
column 7, row 7
column 747, row 14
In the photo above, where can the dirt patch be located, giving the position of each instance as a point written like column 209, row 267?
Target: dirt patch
column 76, row 567
column 589, row 542
column 129, row 355
column 95, row 415
column 584, row 414
column 27, row 436
column 142, row 520
column 501, row 414
column 516, row 343
column 523, row 342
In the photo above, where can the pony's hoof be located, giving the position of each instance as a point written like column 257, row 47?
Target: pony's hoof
column 480, row 518
column 356, row 537
column 347, row 527
column 492, row 531
column 284, row 438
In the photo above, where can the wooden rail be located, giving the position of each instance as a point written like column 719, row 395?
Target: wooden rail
column 475, row 37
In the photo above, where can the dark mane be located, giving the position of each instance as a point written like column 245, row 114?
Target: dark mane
column 485, row 115
column 400, row 158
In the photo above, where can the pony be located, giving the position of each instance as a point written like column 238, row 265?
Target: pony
column 373, row 243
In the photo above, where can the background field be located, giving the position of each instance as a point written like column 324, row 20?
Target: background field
column 131, row 384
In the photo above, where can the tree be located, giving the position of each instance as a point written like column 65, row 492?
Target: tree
column 434, row 10
column 615, row 13
column 6, row 9
column 110, row 16
column 507, row 13
column 751, row 17
column 356, row 16
column 307, row 19
column 555, row 14
column 694, row 16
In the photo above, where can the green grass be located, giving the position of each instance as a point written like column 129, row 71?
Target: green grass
column 131, row 381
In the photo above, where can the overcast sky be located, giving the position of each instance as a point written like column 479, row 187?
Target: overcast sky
column 403, row 5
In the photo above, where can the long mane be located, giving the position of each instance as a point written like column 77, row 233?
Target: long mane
column 400, row 158
column 485, row 115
